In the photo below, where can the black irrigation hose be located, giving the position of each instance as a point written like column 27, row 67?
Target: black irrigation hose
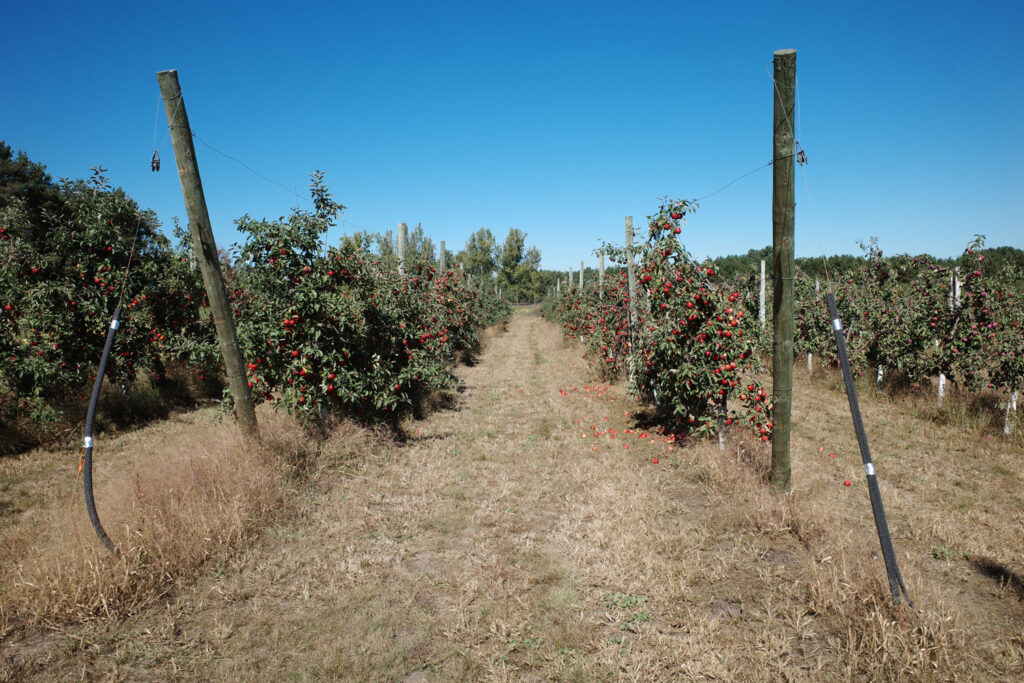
column 90, row 415
column 892, row 569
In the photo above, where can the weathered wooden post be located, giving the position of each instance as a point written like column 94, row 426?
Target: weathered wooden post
column 631, row 280
column 810, row 365
column 783, row 214
column 630, row 274
column 600, row 275
column 205, row 248
column 581, row 274
column 403, row 238
column 442, row 258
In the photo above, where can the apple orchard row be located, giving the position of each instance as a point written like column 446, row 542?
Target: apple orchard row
column 321, row 328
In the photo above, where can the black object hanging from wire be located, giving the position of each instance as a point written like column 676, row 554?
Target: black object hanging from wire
column 154, row 164
column 801, row 156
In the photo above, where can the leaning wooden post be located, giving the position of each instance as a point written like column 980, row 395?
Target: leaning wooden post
column 205, row 248
column 403, row 238
column 783, row 210
column 600, row 275
column 442, row 261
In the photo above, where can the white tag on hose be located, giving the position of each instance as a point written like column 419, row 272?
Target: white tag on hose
column 114, row 324
column 836, row 324
column 87, row 443
column 869, row 468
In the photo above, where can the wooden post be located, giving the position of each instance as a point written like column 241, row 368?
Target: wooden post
column 581, row 274
column 631, row 280
column 600, row 275
column 205, row 248
column 783, row 210
column 442, row 260
column 568, row 283
column 630, row 274
column 760, row 313
column 403, row 237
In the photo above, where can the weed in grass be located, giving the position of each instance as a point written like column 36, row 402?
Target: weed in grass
column 623, row 601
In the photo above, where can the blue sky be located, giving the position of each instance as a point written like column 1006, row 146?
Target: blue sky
column 557, row 118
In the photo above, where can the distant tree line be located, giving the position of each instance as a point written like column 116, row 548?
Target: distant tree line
column 735, row 267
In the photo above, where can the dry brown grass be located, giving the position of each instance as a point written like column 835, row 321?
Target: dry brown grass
column 172, row 497
column 501, row 540
column 179, row 389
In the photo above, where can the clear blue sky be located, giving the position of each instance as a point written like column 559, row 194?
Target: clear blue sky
column 557, row 118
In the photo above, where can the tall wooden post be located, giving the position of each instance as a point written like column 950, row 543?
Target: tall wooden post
column 442, row 260
column 403, row 238
column 630, row 274
column 205, row 248
column 600, row 275
column 631, row 281
column 581, row 274
column 568, row 284
column 783, row 212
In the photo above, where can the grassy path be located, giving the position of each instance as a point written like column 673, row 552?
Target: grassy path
column 505, row 541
